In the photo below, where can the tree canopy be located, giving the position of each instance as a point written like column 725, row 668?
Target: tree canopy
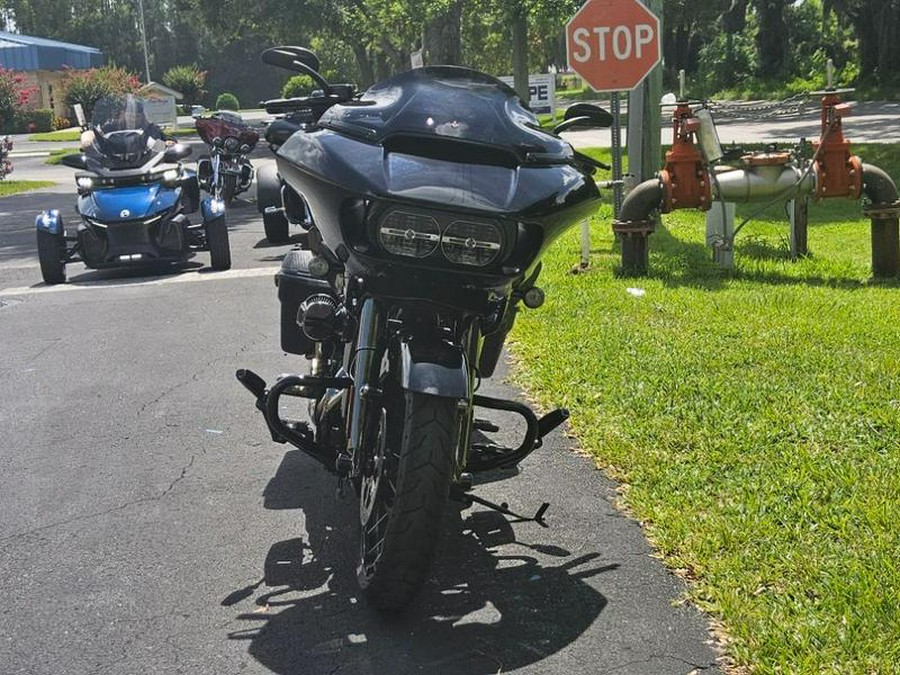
column 721, row 44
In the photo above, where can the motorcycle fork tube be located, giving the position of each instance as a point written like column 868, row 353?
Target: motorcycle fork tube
column 366, row 386
column 474, row 341
column 216, row 188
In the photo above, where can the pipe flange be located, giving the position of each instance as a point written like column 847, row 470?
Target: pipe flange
column 882, row 210
column 632, row 227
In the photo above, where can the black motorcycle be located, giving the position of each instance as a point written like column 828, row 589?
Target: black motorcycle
column 433, row 196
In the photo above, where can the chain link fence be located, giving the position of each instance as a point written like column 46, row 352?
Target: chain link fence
column 792, row 106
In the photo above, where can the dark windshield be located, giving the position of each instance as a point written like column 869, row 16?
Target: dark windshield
column 123, row 136
column 446, row 102
column 119, row 113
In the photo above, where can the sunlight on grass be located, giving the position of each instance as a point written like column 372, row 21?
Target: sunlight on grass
column 11, row 187
column 58, row 136
column 754, row 417
column 55, row 156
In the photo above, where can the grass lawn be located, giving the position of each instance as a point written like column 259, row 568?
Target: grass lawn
column 753, row 417
column 11, row 187
column 56, row 156
column 62, row 135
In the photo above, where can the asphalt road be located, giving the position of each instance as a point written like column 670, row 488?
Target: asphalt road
column 149, row 525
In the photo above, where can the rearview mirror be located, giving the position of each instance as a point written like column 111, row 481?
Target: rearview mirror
column 597, row 116
column 75, row 161
column 290, row 57
column 176, row 152
column 298, row 60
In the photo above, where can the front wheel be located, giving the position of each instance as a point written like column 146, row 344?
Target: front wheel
column 403, row 496
column 51, row 251
column 229, row 188
column 217, row 243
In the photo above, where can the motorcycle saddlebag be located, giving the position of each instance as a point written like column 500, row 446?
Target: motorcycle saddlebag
column 296, row 284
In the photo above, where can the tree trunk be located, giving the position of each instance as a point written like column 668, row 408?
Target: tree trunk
column 366, row 72
column 442, row 42
column 771, row 38
column 519, row 21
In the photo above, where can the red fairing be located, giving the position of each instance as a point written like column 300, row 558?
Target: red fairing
column 210, row 127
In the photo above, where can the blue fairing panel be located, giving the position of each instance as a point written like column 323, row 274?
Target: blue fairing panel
column 128, row 203
column 49, row 221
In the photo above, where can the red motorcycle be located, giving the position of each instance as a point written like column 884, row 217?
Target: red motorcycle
column 227, row 171
column 6, row 167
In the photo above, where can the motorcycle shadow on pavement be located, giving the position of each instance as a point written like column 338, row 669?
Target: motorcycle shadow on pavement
column 493, row 603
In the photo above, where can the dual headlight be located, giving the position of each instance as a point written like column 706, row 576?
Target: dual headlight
column 419, row 235
column 92, row 182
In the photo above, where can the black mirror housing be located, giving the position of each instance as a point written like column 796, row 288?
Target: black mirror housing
column 75, row 161
column 177, row 152
column 596, row 116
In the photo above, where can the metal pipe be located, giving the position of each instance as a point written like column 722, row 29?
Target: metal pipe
column 642, row 201
column 365, row 374
column 763, row 182
column 884, row 212
column 634, row 224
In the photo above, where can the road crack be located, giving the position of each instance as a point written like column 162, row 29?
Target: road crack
column 99, row 514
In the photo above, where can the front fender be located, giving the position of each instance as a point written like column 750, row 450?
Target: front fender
column 212, row 209
column 433, row 367
column 49, row 221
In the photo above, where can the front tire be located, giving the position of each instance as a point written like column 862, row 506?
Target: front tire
column 217, row 243
column 51, row 249
column 229, row 188
column 403, row 496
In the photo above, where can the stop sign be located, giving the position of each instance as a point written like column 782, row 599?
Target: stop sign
column 613, row 44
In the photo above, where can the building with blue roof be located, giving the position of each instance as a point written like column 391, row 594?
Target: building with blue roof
column 43, row 61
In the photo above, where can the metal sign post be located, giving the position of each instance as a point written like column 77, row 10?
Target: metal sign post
column 616, row 110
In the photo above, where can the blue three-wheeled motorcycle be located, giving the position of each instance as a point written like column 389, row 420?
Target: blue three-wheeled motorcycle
column 134, row 197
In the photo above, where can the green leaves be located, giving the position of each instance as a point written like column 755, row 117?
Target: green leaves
column 188, row 80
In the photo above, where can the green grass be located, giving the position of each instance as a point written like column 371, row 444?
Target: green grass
column 63, row 135
column 11, row 187
column 67, row 135
column 56, row 156
column 181, row 131
column 754, row 418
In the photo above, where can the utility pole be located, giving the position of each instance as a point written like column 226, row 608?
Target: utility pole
column 644, row 118
column 144, row 40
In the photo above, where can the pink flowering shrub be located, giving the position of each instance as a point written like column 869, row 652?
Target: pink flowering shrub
column 14, row 98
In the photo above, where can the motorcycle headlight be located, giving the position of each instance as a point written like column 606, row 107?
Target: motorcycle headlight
column 414, row 235
column 232, row 144
column 84, row 182
column 171, row 175
column 469, row 243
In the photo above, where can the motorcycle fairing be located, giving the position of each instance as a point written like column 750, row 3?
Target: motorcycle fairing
column 446, row 102
column 128, row 203
column 222, row 124
column 376, row 171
